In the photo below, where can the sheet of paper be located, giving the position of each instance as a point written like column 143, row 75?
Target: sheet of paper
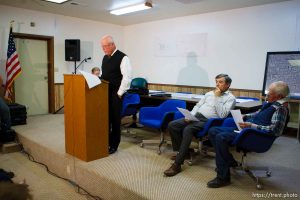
column 237, row 117
column 187, row 115
column 91, row 79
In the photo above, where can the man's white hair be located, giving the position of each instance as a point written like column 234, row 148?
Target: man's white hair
column 108, row 38
column 281, row 88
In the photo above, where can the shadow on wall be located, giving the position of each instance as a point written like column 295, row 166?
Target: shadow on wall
column 192, row 74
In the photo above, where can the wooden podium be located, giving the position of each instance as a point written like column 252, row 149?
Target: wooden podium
column 86, row 118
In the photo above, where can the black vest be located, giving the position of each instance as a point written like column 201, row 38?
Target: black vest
column 111, row 69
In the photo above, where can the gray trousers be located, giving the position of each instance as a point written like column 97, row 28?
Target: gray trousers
column 4, row 115
column 182, row 134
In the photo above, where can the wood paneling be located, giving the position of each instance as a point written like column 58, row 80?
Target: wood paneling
column 59, row 91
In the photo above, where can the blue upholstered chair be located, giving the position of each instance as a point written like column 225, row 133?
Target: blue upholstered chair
column 130, row 104
column 252, row 140
column 130, row 107
column 201, row 136
column 159, row 118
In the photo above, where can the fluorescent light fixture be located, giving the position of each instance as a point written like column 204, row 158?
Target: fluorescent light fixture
column 130, row 9
column 57, row 1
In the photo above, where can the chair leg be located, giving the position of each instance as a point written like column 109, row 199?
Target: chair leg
column 201, row 151
column 251, row 173
column 159, row 142
column 128, row 132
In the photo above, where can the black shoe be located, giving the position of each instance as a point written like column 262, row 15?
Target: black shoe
column 216, row 183
column 112, row 150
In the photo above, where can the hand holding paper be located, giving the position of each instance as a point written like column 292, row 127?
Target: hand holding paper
column 237, row 117
column 187, row 115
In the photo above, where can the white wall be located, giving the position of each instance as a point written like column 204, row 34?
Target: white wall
column 233, row 42
column 61, row 27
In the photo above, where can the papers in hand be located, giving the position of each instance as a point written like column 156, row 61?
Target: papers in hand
column 237, row 117
column 187, row 115
column 91, row 79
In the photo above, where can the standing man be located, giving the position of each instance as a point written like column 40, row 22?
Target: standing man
column 216, row 103
column 116, row 69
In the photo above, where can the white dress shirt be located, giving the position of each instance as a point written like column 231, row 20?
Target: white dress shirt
column 125, row 68
column 212, row 106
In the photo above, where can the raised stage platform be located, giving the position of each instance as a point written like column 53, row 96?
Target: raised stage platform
column 137, row 173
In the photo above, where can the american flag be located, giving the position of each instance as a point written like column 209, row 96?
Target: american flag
column 13, row 67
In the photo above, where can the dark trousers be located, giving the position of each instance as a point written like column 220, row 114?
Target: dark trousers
column 4, row 116
column 182, row 134
column 221, row 137
column 115, row 106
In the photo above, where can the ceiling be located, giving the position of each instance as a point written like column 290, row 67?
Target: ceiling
column 98, row 10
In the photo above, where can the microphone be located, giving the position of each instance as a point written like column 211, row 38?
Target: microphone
column 89, row 58
column 84, row 60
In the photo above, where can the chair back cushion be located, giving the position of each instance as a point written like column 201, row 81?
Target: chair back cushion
column 171, row 105
column 129, row 104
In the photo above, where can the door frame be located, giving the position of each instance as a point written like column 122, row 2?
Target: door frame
column 50, row 56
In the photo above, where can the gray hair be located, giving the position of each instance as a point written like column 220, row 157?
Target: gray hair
column 108, row 38
column 280, row 88
column 227, row 78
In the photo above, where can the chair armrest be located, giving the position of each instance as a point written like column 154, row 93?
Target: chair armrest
column 254, row 140
column 210, row 123
column 229, row 122
column 166, row 119
column 178, row 115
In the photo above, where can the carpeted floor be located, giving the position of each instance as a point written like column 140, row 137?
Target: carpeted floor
column 137, row 173
column 42, row 185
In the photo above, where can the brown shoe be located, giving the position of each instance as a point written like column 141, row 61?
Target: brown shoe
column 173, row 170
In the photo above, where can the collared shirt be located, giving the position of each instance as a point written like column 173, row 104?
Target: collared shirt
column 125, row 68
column 278, row 120
column 212, row 106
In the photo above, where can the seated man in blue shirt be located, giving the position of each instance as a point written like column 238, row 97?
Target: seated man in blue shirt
column 215, row 104
column 271, row 118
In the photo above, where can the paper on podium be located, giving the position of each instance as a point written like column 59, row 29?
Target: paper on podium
column 237, row 117
column 187, row 114
column 91, row 79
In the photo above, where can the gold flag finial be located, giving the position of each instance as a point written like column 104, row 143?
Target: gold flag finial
column 11, row 23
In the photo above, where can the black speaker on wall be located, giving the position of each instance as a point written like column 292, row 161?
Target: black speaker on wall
column 72, row 50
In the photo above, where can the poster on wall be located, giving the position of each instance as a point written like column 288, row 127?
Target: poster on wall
column 283, row 66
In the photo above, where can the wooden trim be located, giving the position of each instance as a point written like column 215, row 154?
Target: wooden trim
column 202, row 87
column 50, row 52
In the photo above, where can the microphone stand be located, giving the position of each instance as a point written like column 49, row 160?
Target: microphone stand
column 84, row 60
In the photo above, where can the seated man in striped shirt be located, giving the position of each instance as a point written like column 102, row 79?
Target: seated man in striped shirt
column 271, row 118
